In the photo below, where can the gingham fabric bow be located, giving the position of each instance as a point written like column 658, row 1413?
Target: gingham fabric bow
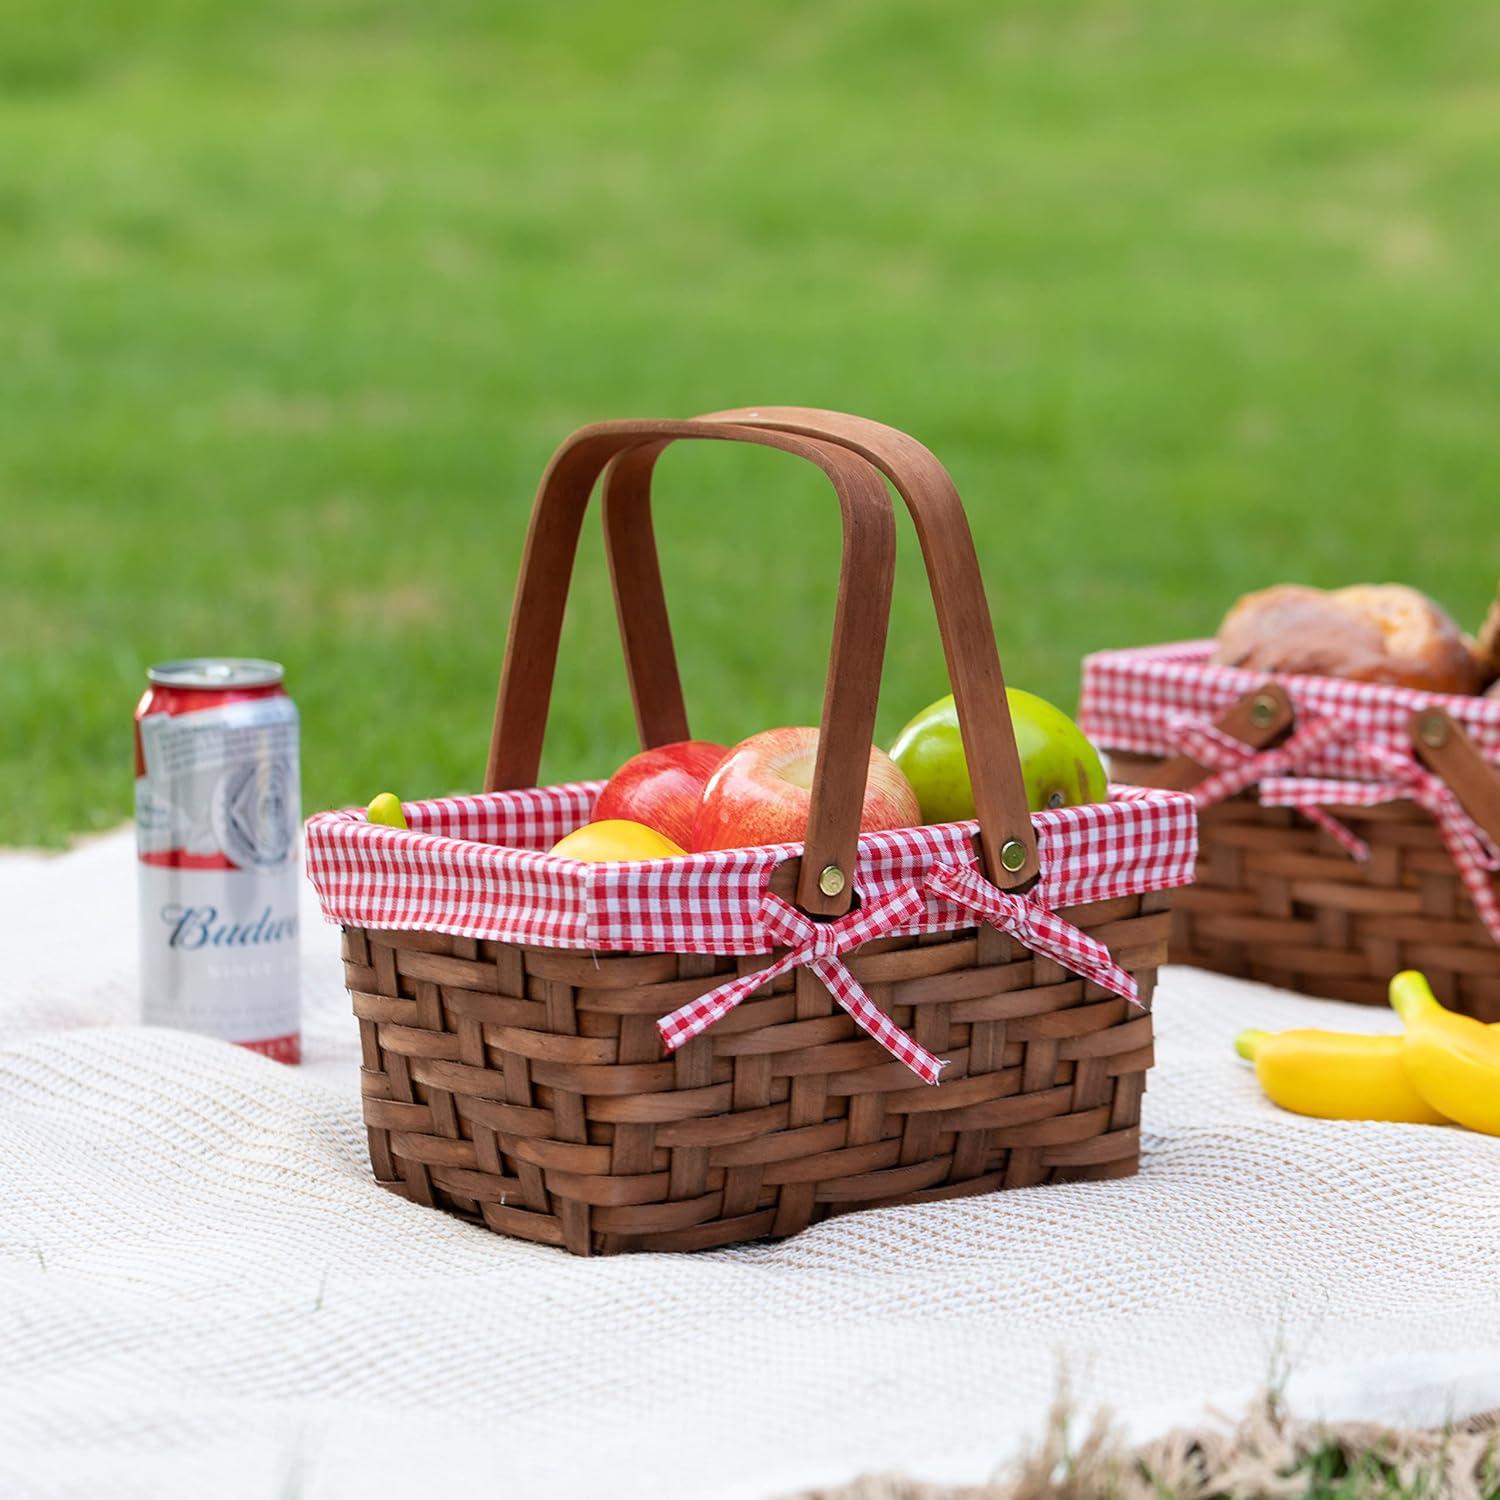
column 818, row 945
column 1039, row 929
column 1400, row 777
column 1237, row 765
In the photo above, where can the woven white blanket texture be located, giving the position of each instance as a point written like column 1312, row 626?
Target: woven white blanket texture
column 203, row 1293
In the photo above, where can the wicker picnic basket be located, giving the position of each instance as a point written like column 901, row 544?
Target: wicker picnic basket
column 690, row 1052
column 1348, row 830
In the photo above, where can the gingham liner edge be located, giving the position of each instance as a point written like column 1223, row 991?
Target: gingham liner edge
column 461, row 869
column 1130, row 698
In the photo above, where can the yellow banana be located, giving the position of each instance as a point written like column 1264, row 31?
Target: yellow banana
column 1452, row 1060
column 1336, row 1076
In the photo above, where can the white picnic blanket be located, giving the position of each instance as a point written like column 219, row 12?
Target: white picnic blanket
column 203, row 1292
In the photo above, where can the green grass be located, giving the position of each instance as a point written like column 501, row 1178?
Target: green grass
column 296, row 299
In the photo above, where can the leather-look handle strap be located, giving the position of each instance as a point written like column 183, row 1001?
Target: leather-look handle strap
column 1445, row 748
column 1258, row 719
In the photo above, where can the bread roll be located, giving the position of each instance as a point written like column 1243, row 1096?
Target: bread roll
column 1487, row 647
column 1368, row 633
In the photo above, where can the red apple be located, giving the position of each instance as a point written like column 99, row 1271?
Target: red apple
column 661, row 788
column 761, row 792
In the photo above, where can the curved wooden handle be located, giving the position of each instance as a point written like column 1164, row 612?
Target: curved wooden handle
column 859, row 630
column 1444, row 747
column 954, row 578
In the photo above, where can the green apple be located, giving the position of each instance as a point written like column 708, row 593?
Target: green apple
column 1059, row 764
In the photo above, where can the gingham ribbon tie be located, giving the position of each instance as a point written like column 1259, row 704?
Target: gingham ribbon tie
column 818, row 945
column 1027, row 920
column 1237, row 765
column 1397, row 777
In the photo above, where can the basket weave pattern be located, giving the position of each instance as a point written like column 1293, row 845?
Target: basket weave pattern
column 525, row 1087
column 1276, row 899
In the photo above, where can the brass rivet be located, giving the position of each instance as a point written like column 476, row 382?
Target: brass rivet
column 831, row 881
column 1013, row 855
column 1262, row 710
column 1434, row 730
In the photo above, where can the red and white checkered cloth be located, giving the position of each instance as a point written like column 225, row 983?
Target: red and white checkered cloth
column 1131, row 697
column 1237, row 766
column 1351, row 746
column 476, row 867
column 1402, row 777
column 819, row 945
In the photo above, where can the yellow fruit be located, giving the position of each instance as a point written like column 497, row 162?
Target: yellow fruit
column 615, row 838
column 1453, row 1060
column 1336, row 1076
column 386, row 808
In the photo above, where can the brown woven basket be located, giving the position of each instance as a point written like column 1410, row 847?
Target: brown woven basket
column 528, row 1091
column 525, row 1087
column 1277, row 899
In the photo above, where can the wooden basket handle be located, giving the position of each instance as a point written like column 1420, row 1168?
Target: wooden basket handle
column 1259, row 719
column 957, row 587
column 854, row 671
column 860, row 617
column 1444, row 747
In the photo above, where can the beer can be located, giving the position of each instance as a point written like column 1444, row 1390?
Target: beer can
column 217, row 820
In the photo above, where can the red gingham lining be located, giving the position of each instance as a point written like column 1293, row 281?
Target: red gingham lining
column 473, row 866
column 1131, row 697
column 819, row 946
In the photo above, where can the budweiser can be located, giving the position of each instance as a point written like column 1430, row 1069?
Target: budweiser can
column 217, row 816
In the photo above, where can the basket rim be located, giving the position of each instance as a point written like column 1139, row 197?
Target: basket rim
column 352, row 820
column 1131, row 693
column 375, row 876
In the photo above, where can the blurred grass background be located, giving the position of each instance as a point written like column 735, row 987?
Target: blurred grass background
column 296, row 299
